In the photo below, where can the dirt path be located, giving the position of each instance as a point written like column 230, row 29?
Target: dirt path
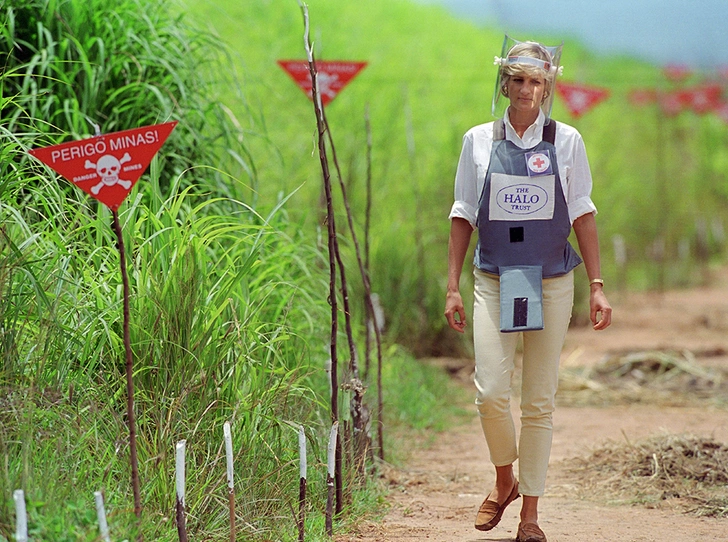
column 435, row 497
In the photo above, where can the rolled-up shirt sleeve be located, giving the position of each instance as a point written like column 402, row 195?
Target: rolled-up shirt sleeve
column 578, row 180
column 465, row 204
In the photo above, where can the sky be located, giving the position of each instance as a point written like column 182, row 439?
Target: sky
column 663, row 32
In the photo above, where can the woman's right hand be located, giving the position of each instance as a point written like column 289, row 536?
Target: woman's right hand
column 460, row 232
column 455, row 311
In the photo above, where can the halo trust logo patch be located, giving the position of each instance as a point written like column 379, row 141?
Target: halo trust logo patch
column 517, row 197
column 522, row 199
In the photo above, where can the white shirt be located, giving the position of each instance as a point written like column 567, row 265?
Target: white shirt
column 574, row 171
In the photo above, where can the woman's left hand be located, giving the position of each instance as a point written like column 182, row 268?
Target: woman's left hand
column 600, row 311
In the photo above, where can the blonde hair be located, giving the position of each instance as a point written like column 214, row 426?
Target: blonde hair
column 525, row 50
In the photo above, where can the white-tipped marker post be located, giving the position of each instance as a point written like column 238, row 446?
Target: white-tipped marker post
column 331, row 463
column 227, row 434
column 21, row 518
column 303, row 483
column 180, row 482
column 101, row 515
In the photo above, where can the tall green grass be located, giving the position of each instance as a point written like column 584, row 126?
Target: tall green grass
column 223, row 314
column 225, row 302
column 223, row 318
column 225, row 326
column 73, row 66
column 229, row 316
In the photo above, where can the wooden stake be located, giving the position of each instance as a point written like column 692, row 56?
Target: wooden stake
column 21, row 519
column 180, row 480
column 101, row 515
column 355, row 383
column 373, row 311
column 303, row 467
column 131, row 420
column 367, row 221
column 332, row 246
column 231, row 483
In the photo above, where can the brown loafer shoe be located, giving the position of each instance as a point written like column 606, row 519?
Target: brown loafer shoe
column 530, row 532
column 490, row 512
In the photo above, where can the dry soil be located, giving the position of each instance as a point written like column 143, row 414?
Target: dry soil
column 435, row 496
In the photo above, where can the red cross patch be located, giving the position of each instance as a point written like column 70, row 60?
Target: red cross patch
column 538, row 163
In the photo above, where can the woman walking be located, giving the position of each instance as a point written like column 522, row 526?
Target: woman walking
column 523, row 182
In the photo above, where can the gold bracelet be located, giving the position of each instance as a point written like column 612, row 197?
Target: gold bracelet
column 596, row 281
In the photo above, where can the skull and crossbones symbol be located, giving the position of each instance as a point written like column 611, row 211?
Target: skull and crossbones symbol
column 108, row 168
column 325, row 82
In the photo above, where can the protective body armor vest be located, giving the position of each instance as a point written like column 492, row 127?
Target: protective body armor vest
column 523, row 218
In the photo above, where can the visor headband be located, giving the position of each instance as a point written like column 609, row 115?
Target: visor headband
column 544, row 65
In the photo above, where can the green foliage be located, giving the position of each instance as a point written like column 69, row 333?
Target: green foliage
column 72, row 65
column 430, row 77
column 229, row 316
column 226, row 304
column 423, row 398
column 423, row 93
column 224, row 311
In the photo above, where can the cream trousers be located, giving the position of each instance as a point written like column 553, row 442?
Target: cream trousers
column 494, row 364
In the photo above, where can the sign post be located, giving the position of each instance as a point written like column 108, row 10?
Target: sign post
column 107, row 167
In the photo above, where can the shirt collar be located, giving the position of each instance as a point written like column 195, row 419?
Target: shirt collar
column 533, row 134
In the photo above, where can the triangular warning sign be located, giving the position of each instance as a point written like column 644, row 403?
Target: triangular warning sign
column 580, row 98
column 107, row 166
column 333, row 76
column 703, row 98
column 672, row 102
column 676, row 72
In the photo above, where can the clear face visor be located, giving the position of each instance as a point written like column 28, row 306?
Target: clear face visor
column 526, row 56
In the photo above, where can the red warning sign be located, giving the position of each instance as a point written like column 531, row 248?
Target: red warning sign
column 703, row 98
column 333, row 76
column 580, row 98
column 676, row 72
column 107, row 166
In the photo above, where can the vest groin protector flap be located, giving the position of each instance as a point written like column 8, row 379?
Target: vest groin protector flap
column 521, row 298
